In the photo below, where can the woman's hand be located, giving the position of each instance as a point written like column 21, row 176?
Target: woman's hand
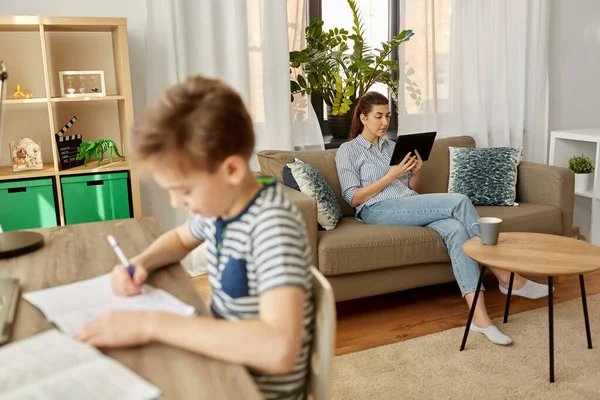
column 417, row 168
column 118, row 329
column 407, row 164
column 123, row 284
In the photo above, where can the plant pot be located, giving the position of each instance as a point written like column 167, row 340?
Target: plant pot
column 583, row 182
column 339, row 125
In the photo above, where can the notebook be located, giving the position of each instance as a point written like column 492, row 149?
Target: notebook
column 70, row 306
column 52, row 366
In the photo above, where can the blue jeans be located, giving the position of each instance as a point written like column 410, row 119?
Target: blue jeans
column 449, row 214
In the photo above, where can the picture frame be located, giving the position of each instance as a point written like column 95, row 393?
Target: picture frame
column 82, row 83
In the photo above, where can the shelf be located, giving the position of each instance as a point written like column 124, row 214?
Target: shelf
column 6, row 173
column 92, row 167
column 65, row 24
column 587, row 193
column 26, row 101
column 19, row 23
column 83, row 99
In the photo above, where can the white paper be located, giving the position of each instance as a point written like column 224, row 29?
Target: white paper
column 69, row 307
column 53, row 366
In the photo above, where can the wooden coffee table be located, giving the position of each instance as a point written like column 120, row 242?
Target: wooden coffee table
column 535, row 254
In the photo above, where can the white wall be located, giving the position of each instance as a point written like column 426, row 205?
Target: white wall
column 574, row 64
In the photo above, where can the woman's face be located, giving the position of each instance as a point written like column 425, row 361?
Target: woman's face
column 378, row 120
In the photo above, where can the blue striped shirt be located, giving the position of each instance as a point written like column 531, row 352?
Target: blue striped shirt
column 360, row 163
column 263, row 247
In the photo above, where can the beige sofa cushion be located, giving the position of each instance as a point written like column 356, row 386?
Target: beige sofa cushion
column 526, row 218
column 272, row 163
column 436, row 171
column 356, row 247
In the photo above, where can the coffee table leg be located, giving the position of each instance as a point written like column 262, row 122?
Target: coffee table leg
column 551, row 327
column 464, row 341
column 585, row 312
column 510, row 285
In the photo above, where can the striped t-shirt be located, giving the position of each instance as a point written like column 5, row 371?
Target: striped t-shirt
column 359, row 163
column 263, row 247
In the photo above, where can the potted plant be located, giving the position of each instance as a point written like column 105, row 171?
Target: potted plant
column 338, row 73
column 582, row 167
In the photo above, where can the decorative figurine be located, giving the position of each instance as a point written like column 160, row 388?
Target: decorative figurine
column 18, row 93
column 91, row 149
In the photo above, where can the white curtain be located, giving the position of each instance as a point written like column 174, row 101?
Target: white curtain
column 246, row 44
column 478, row 68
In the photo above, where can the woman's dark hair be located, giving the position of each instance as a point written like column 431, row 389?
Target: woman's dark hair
column 364, row 106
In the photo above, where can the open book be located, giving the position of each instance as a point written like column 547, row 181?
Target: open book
column 69, row 307
column 52, row 366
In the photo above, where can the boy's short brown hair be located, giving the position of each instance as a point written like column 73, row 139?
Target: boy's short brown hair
column 199, row 123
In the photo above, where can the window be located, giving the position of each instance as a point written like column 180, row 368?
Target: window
column 337, row 14
column 424, row 60
column 378, row 28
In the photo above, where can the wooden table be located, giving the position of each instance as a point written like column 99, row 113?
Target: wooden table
column 76, row 252
column 535, row 254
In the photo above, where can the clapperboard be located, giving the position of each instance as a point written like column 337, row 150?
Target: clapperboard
column 68, row 146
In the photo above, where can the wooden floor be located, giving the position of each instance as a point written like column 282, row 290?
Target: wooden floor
column 375, row 321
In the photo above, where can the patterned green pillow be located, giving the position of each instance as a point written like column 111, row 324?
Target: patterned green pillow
column 487, row 176
column 312, row 183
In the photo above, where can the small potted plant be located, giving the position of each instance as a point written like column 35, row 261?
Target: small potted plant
column 582, row 167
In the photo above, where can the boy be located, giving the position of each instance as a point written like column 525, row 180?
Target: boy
column 196, row 143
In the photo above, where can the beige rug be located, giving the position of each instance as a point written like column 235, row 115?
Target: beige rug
column 432, row 367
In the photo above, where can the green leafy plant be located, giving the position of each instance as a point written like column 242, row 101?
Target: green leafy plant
column 91, row 149
column 340, row 74
column 581, row 165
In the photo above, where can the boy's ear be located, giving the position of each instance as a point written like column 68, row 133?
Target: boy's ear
column 235, row 168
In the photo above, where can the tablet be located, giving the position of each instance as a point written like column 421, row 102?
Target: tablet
column 422, row 142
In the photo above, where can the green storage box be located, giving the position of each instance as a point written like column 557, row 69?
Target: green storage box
column 27, row 204
column 98, row 197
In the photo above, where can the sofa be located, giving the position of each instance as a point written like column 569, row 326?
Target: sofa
column 361, row 260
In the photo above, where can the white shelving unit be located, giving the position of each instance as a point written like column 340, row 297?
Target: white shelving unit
column 566, row 144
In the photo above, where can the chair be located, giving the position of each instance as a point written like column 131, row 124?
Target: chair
column 323, row 343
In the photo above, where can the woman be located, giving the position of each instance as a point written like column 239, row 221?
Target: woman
column 389, row 195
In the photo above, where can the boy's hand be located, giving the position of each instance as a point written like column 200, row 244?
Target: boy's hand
column 123, row 284
column 118, row 329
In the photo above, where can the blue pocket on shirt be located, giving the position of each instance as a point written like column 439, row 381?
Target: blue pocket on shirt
column 234, row 279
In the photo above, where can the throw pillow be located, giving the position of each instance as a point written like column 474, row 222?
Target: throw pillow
column 289, row 181
column 288, row 178
column 487, row 176
column 311, row 182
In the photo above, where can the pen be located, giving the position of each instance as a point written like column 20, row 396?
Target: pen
column 119, row 253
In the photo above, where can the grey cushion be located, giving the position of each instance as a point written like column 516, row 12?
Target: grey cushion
column 487, row 176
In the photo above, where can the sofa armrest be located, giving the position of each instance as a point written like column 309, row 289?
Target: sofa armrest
column 308, row 208
column 548, row 185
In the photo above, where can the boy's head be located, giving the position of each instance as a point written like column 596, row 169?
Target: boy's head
column 196, row 143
